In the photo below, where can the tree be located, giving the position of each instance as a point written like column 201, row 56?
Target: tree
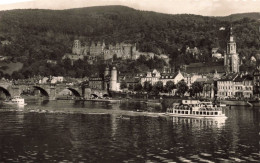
column 138, row 87
column 17, row 75
column 182, row 87
column 114, row 57
column 197, row 87
column 130, row 87
column 123, row 85
column 169, row 86
column 157, row 87
column 147, row 86
column 191, row 92
column 256, row 90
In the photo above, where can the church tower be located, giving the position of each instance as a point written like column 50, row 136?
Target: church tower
column 231, row 58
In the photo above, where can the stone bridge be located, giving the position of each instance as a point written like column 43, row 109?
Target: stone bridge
column 49, row 91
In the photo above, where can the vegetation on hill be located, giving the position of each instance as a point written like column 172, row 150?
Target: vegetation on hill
column 37, row 35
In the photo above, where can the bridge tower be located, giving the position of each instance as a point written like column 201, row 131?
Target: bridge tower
column 113, row 79
column 106, row 78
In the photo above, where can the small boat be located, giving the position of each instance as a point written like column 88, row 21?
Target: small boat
column 16, row 100
column 195, row 109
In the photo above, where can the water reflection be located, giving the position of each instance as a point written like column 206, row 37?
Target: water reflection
column 200, row 122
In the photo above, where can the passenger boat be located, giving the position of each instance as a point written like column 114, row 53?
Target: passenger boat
column 16, row 100
column 195, row 109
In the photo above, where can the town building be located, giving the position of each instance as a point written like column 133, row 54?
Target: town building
column 253, row 59
column 203, row 68
column 151, row 77
column 193, row 51
column 214, row 50
column 256, row 77
column 243, row 86
column 6, row 42
column 217, row 55
column 44, row 80
column 208, row 89
column 51, row 62
column 226, row 86
column 191, row 78
column 174, row 77
column 56, row 79
column 235, row 85
column 131, row 81
column 73, row 57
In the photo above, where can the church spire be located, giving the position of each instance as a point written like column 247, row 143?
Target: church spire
column 231, row 37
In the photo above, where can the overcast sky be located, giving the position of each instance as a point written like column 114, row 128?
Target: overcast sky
column 199, row 7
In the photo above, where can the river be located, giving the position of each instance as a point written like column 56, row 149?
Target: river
column 68, row 131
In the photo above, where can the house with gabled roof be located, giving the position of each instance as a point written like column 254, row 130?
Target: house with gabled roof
column 175, row 77
column 152, row 77
column 243, row 86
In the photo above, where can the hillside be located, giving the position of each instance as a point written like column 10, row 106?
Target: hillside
column 37, row 35
column 235, row 17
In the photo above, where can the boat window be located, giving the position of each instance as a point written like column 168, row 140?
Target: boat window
column 216, row 113
column 207, row 113
column 186, row 112
column 200, row 113
column 179, row 112
column 211, row 113
column 182, row 112
column 193, row 112
column 204, row 113
column 197, row 112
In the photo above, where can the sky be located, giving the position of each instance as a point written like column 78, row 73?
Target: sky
column 198, row 7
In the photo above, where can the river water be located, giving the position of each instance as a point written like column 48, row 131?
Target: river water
column 68, row 131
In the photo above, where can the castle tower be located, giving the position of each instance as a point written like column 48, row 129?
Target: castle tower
column 76, row 49
column 113, row 79
column 231, row 58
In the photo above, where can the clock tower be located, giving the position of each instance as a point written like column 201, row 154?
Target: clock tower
column 231, row 58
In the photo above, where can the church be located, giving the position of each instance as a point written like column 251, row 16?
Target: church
column 231, row 61
column 231, row 58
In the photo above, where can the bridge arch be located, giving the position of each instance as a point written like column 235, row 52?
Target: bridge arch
column 94, row 95
column 75, row 92
column 5, row 91
column 105, row 95
column 43, row 91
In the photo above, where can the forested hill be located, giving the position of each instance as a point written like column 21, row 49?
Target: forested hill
column 37, row 35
